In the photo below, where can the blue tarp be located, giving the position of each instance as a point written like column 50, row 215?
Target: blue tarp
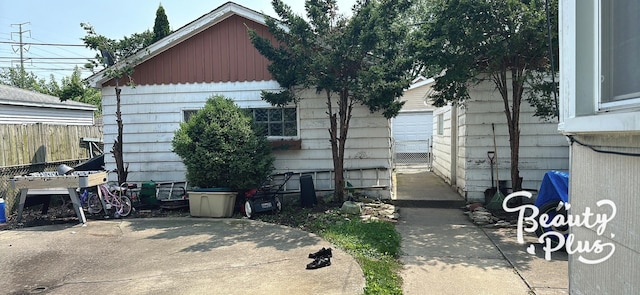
column 554, row 187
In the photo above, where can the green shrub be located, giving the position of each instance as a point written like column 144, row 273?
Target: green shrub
column 220, row 147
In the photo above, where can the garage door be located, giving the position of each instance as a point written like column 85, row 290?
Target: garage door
column 412, row 133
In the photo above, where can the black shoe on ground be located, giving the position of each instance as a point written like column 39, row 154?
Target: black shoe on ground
column 319, row 262
column 324, row 252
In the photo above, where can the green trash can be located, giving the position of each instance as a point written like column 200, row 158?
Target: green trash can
column 148, row 193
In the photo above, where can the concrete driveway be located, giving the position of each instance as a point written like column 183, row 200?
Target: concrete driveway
column 170, row 256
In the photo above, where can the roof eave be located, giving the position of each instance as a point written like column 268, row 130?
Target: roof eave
column 49, row 105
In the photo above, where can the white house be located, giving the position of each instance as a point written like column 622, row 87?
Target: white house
column 20, row 106
column 213, row 55
column 463, row 135
column 600, row 112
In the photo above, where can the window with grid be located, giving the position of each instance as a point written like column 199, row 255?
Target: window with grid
column 277, row 122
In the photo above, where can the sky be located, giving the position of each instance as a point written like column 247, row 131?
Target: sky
column 57, row 23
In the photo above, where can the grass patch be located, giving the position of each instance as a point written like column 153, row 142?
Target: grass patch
column 375, row 245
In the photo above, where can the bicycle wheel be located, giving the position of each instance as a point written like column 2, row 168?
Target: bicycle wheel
column 94, row 205
column 124, row 208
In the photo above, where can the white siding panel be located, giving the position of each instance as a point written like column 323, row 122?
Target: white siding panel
column 442, row 144
column 542, row 148
column 151, row 114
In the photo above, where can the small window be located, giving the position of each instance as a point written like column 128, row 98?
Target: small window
column 277, row 122
column 186, row 114
column 440, row 124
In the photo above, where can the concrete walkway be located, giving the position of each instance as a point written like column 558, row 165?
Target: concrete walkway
column 444, row 253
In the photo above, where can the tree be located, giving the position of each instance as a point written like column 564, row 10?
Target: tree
column 28, row 80
column 74, row 88
column 357, row 60
column 116, row 56
column 504, row 41
column 161, row 26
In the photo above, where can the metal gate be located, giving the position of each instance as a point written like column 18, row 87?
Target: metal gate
column 412, row 153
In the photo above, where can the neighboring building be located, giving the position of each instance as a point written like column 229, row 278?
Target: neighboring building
column 412, row 129
column 463, row 136
column 213, row 55
column 600, row 111
column 37, row 128
column 20, row 106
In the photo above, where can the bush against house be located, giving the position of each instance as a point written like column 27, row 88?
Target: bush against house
column 220, row 147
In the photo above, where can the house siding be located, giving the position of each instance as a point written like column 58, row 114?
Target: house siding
column 152, row 113
column 542, row 148
column 595, row 177
column 442, row 144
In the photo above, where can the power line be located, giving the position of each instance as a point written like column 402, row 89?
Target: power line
column 55, row 69
column 61, row 48
column 43, row 44
column 56, row 62
column 56, row 58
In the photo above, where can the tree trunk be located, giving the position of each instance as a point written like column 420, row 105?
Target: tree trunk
column 513, row 117
column 333, row 139
column 338, row 132
column 117, row 144
column 514, row 127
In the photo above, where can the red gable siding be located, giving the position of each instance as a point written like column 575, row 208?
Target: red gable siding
column 221, row 53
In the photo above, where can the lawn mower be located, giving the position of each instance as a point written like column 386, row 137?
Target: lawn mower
column 265, row 198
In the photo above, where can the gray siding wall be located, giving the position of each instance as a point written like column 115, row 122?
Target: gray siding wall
column 594, row 177
column 14, row 114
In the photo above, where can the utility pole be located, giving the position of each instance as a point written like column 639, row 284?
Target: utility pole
column 21, row 48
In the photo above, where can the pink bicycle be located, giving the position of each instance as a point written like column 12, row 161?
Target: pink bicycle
column 112, row 203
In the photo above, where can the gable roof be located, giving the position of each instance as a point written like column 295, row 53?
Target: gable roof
column 20, row 97
column 187, row 31
column 416, row 97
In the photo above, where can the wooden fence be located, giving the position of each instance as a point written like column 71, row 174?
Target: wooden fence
column 42, row 143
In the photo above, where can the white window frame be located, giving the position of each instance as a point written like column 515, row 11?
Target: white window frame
column 581, row 110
